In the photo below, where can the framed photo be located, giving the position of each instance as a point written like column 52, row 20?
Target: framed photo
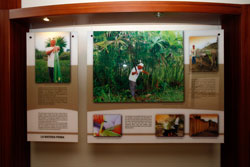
column 204, row 125
column 138, row 66
column 203, row 53
column 107, row 125
column 169, row 125
column 52, row 57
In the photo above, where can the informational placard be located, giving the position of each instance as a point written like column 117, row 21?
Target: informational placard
column 155, row 86
column 52, row 86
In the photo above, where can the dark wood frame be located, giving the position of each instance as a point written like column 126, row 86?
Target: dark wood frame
column 13, row 28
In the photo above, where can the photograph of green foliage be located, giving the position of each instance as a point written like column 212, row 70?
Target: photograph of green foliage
column 52, row 57
column 138, row 66
column 204, row 53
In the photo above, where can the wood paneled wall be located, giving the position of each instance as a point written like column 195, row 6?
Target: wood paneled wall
column 231, row 26
column 235, row 151
column 5, row 89
column 10, row 4
column 14, row 148
column 243, row 112
column 20, row 146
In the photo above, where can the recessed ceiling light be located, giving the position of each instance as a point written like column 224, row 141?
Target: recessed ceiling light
column 158, row 14
column 46, row 19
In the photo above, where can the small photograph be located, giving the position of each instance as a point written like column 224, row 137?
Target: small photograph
column 169, row 125
column 203, row 53
column 107, row 125
column 138, row 66
column 204, row 125
column 52, row 57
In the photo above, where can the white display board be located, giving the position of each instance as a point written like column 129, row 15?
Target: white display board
column 52, row 108
column 194, row 103
column 140, row 135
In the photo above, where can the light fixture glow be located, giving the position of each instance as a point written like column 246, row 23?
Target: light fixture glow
column 46, row 19
column 158, row 14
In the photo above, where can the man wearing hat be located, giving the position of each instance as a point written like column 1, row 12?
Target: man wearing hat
column 50, row 51
column 135, row 72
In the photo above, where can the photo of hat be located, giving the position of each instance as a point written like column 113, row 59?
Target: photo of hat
column 141, row 64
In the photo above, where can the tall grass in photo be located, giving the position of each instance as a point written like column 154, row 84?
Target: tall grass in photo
column 117, row 52
column 41, row 58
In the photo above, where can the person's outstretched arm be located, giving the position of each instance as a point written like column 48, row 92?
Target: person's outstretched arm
column 145, row 72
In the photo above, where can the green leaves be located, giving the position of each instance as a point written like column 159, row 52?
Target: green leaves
column 117, row 52
column 60, row 41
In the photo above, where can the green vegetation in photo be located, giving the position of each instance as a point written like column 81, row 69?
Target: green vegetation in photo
column 42, row 74
column 116, row 53
column 62, row 63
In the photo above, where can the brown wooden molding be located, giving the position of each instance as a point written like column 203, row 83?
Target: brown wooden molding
column 5, row 89
column 120, row 7
column 13, row 141
column 243, row 113
column 10, row 4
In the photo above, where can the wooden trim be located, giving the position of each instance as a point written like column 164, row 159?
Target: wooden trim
column 10, row 4
column 232, row 43
column 121, row 7
column 243, row 113
column 5, row 89
column 235, row 151
column 13, row 141
column 21, row 148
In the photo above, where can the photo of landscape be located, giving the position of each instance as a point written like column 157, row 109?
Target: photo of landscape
column 204, row 125
column 138, row 66
column 203, row 53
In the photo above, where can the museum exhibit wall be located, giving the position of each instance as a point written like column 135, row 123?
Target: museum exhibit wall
column 83, row 154
column 32, row 3
column 123, row 155
column 233, row 153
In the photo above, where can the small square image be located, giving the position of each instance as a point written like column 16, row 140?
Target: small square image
column 169, row 125
column 204, row 125
column 105, row 125
column 203, row 53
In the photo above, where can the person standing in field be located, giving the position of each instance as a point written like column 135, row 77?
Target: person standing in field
column 193, row 55
column 134, row 74
column 51, row 52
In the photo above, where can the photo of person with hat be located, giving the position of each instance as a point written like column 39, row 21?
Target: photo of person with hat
column 120, row 58
column 52, row 57
column 134, row 74
column 52, row 51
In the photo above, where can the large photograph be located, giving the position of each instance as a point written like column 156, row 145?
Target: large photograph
column 203, row 53
column 138, row 66
column 52, row 57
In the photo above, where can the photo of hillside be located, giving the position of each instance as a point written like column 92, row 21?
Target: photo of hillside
column 203, row 53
